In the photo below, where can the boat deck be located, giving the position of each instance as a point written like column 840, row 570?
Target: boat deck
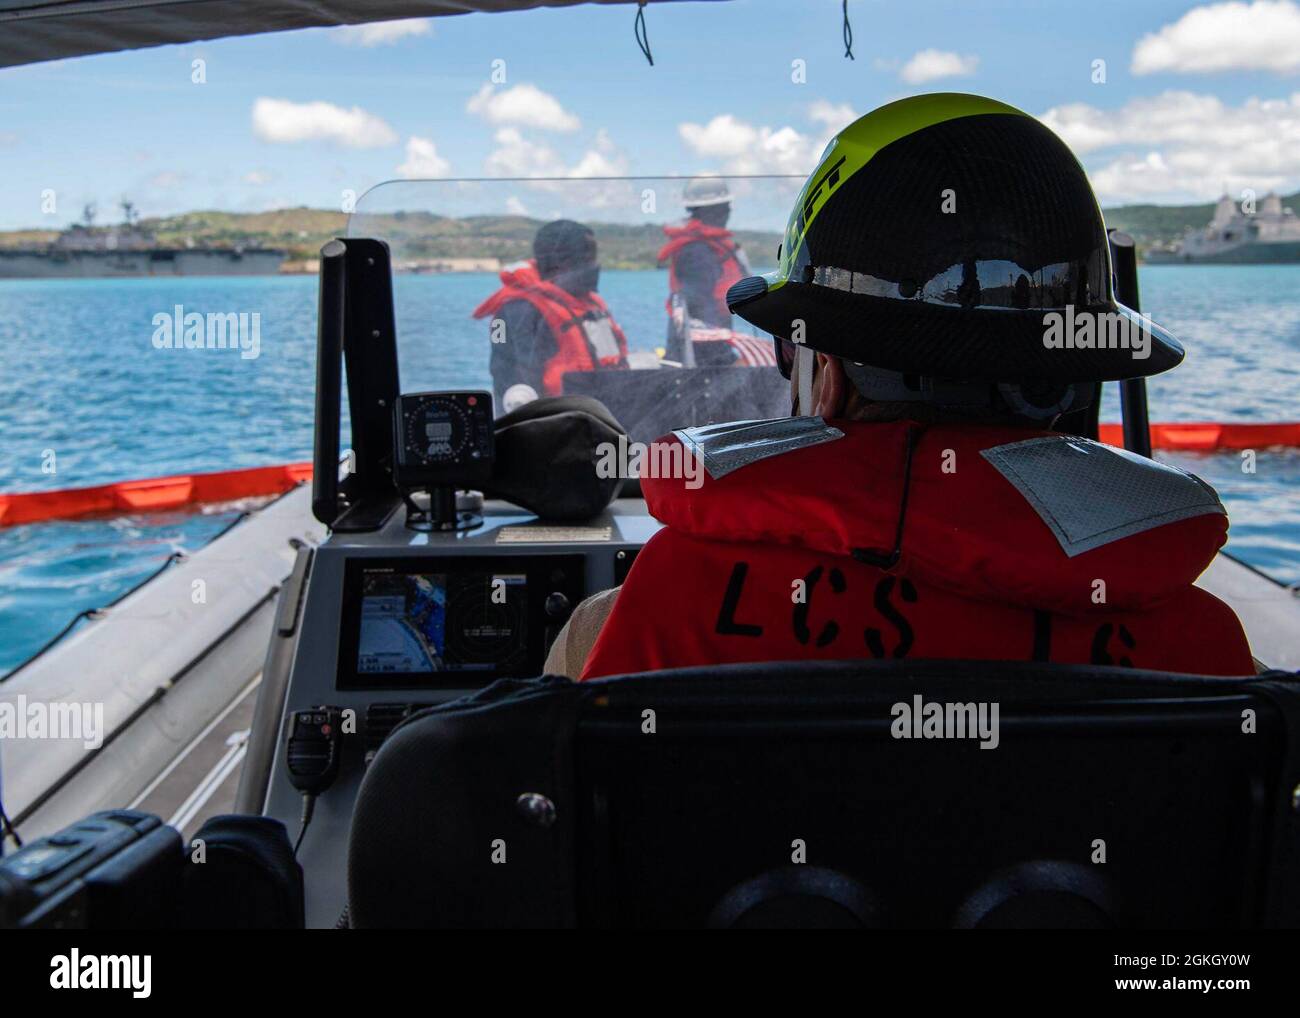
column 201, row 782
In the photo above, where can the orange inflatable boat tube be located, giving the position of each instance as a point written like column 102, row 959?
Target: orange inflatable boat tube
column 151, row 494
column 182, row 490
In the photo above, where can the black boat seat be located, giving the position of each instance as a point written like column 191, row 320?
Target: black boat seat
column 782, row 795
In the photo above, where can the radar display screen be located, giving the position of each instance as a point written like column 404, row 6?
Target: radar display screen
column 450, row 621
column 441, row 622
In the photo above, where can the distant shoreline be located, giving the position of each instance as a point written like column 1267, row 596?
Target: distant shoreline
column 426, row 237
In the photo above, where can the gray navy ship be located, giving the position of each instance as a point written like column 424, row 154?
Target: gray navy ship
column 84, row 251
column 1269, row 235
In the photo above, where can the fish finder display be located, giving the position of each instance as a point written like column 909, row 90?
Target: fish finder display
column 441, row 622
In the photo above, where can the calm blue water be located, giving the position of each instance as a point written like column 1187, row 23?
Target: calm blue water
column 83, row 382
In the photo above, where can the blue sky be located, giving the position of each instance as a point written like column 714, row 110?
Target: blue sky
column 1196, row 96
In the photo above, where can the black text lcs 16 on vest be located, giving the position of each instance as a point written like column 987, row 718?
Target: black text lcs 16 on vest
column 816, row 619
column 902, row 636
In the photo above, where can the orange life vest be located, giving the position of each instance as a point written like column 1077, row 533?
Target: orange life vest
column 718, row 240
column 568, row 318
column 801, row 555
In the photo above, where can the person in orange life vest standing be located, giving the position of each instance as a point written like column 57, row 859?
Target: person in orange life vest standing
column 704, row 260
column 942, row 294
column 547, row 319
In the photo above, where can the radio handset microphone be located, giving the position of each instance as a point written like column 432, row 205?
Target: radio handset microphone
column 315, row 748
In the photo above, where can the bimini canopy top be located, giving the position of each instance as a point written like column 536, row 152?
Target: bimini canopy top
column 36, row 30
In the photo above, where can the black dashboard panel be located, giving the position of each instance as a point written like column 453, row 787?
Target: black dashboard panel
column 568, row 560
column 431, row 622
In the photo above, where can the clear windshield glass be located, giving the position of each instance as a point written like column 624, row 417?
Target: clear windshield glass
column 610, row 287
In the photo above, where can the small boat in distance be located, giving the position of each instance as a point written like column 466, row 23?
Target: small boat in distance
column 1269, row 235
column 84, row 251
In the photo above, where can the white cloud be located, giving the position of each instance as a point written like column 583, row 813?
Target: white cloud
column 1135, row 178
column 740, row 147
column 381, row 33
column 835, row 116
column 524, row 105
column 1183, row 145
column 257, row 177
column 1263, row 35
column 723, row 137
column 932, row 64
column 423, row 160
column 516, row 156
column 166, row 180
column 281, row 121
column 744, row 148
column 515, row 206
column 519, row 156
column 1084, row 128
column 604, row 160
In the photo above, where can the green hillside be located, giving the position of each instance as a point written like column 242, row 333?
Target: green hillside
column 299, row 231
column 421, row 236
column 426, row 236
column 412, row 235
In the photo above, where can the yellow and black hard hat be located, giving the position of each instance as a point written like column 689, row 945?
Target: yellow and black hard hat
column 953, row 236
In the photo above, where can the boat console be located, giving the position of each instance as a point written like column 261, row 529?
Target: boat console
column 397, row 619
column 425, row 591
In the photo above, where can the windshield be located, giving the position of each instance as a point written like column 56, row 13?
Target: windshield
column 611, row 287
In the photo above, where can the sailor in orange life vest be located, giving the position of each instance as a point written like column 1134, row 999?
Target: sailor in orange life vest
column 704, row 260
column 547, row 319
column 923, row 507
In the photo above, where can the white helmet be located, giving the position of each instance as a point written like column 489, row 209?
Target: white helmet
column 516, row 396
column 702, row 191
